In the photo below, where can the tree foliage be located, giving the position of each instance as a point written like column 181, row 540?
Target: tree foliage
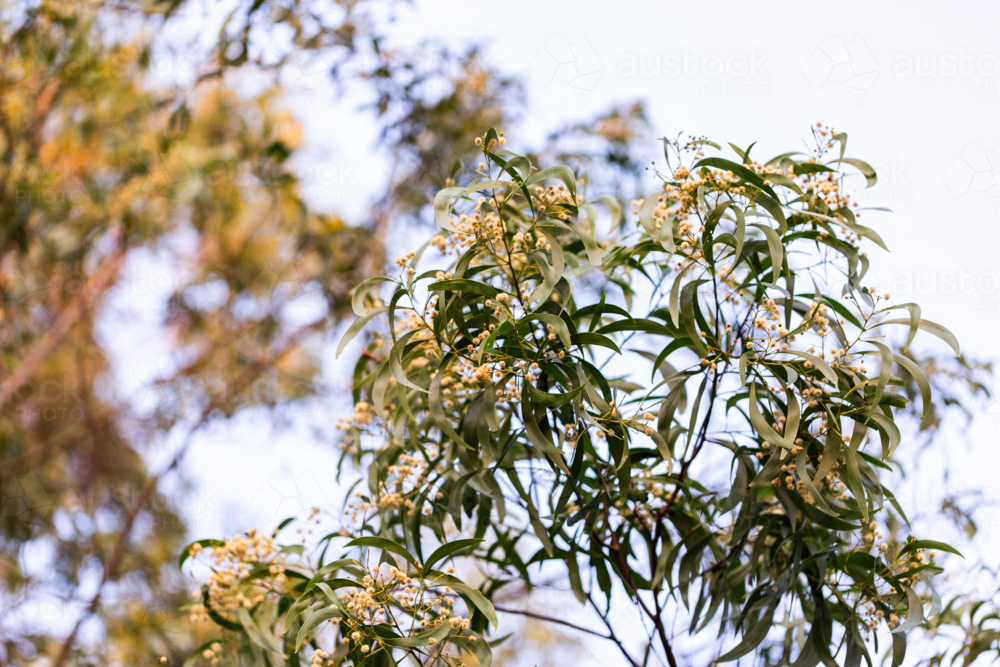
column 717, row 441
column 108, row 187
column 110, row 179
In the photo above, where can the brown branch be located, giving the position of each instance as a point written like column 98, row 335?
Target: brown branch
column 549, row 619
column 111, row 570
column 682, row 475
column 611, row 631
column 626, row 572
column 54, row 335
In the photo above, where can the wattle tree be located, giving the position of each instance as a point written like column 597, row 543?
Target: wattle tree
column 694, row 402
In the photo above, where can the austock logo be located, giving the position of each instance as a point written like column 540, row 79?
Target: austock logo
column 981, row 67
column 23, row 498
column 975, row 171
column 138, row 603
column 731, row 74
column 280, row 61
column 425, row 174
column 837, row 62
column 986, row 406
column 48, row 400
column 158, row 175
column 892, row 190
column 24, row 279
column 284, row 495
column 572, row 64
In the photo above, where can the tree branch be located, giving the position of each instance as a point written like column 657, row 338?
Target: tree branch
column 54, row 335
column 559, row 621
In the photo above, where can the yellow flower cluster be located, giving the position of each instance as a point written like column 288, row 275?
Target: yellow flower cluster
column 231, row 564
column 404, row 481
column 388, row 587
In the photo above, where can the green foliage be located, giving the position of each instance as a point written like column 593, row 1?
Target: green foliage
column 709, row 441
column 102, row 171
column 108, row 172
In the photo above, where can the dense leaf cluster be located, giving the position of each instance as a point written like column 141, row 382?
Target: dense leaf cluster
column 694, row 407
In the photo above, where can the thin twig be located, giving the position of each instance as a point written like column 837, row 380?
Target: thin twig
column 611, row 631
column 610, row 637
column 549, row 619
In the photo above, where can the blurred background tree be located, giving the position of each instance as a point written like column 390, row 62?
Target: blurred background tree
column 107, row 175
column 100, row 177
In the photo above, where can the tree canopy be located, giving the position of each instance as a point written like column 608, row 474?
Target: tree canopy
column 694, row 403
column 719, row 445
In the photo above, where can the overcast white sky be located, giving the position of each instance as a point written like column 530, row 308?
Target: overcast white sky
column 916, row 86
